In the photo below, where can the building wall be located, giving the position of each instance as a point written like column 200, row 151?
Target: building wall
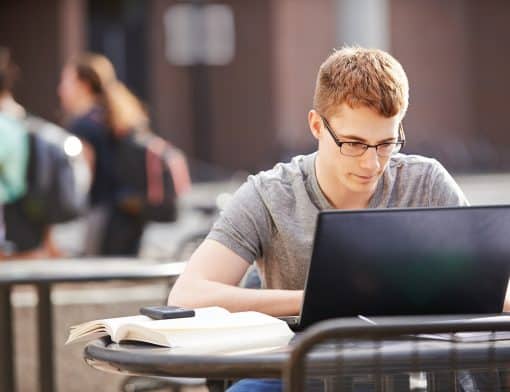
column 253, row 110
column 457, row 65
column 41, row 36
column 490, row 33
column 219, row 114
column 437, row 59
column 169, row 92
column 303, row 36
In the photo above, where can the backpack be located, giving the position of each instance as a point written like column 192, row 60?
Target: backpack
column 152, row 172
column 58, row 180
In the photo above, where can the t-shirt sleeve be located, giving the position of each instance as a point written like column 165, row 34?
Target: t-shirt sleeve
column 445, row 192
column 244, row 224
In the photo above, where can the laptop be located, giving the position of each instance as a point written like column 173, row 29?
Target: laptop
column 421, row 261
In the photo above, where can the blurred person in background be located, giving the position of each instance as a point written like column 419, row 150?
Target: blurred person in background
column 100, row 110
column 14, row 155
column 13, row 164
column 13, row 143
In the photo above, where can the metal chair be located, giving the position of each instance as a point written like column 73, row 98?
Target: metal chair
column 344, row 354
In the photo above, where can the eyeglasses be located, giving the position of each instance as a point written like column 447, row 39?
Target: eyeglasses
column 357, row 149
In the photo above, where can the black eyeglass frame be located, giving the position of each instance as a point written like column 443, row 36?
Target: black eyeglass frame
column 401, row 141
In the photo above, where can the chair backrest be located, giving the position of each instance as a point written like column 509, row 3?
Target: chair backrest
column 341, row 352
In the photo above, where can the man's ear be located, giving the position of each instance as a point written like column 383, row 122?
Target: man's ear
column 315, row 123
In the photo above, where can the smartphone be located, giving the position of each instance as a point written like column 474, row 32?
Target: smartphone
column 166, row 312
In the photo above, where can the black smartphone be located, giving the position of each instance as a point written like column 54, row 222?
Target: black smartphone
column 166, row 312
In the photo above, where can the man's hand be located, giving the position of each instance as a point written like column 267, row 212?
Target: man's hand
column 212, row 277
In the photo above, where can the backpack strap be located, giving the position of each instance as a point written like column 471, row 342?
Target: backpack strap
column 155, row 191
column 178, row 167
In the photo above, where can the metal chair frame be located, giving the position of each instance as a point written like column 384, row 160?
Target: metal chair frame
column 347, row 330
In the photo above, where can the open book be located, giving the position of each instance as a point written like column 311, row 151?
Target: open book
column 210, row 326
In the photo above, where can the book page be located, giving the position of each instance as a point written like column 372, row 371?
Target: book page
column 210, row 321
column 98, row 328
column 235, row 335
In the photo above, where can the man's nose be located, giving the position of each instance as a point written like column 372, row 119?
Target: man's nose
column 370, row 159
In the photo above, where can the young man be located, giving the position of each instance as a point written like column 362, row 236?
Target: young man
column 361, row 97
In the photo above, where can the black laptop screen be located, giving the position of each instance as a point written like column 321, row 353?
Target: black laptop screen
column 408, row 262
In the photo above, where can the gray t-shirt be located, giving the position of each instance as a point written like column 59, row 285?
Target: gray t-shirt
column 271, row 218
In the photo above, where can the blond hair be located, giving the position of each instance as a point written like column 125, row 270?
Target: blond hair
column 361, row 77
column 124, row 112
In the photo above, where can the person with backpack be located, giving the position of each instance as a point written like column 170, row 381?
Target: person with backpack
column 43, row 177
column 13, row 164
column 14, row 141
column 136, row 175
